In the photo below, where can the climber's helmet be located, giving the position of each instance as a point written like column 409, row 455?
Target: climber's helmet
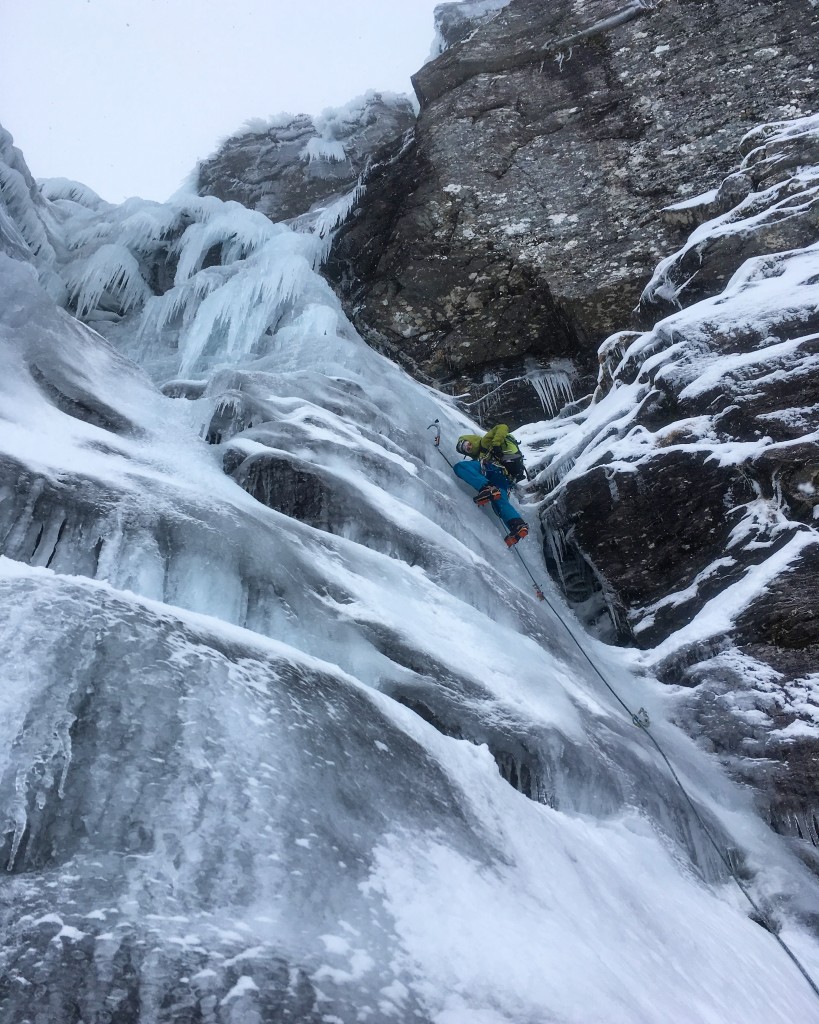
column 464, row 447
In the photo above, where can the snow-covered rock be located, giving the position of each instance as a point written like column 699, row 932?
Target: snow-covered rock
column 455, row 21
column 687, row 494
column 292, row 164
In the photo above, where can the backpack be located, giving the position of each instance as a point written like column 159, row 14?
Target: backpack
column 514, row 465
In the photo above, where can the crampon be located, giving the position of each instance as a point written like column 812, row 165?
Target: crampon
column 487, row 494
column 517, row 531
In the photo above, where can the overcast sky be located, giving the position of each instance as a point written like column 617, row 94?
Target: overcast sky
column 126, row 95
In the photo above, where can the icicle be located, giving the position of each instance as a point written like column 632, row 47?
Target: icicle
column 12, row 241
column 245, row 306
column 339, row 211
column 239, row 231
column 326, row 150
column 20, row 819
column 556, row 542
column 553, row 388
column 15, row 194
column 143, row 228
column 56, row 189
column 556, row 471
column 93, row 234
column 112, row 268
column 562, row 57
column 67, row 749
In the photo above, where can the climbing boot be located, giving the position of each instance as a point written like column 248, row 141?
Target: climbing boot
column 517, row 531
column 487, row 494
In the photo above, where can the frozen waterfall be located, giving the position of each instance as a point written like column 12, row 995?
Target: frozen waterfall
column 284, row 734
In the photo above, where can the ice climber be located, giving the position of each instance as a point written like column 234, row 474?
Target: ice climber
column 492, row 464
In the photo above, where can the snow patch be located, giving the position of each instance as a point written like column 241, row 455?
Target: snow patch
column 243, row 987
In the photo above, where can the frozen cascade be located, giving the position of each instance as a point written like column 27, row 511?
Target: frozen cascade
column 264, row 697
column 553, row 388
column 329, row 150
column 22, row 207
column 111, row 269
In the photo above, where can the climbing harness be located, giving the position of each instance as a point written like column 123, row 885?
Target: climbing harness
column 641, row 720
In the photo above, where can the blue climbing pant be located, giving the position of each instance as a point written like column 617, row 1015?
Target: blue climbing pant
column 470, row 472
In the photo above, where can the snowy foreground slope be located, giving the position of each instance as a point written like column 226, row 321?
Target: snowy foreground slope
column 268, row 675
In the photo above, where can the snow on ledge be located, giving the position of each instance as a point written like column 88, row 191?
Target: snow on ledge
column 720, row 614
column 243, row 986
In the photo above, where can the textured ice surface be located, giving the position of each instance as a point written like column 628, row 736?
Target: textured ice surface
column 284, row 735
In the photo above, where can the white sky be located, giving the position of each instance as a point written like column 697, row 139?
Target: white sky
column 126, row 95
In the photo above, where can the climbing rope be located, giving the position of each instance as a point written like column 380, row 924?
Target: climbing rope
column 641, row 720
column 538, row 590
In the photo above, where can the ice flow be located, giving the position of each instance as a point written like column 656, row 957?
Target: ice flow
column 284, row 735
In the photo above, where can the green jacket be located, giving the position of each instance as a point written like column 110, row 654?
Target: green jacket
column 498, row 438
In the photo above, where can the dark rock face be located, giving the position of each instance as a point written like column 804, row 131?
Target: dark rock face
column 653, row 521
column 434, row 319
column 786, row 616
column 286, row 168
column 651, row 534
column 519, row 228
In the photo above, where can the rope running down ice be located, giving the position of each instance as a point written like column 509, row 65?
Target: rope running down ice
column 641, row 721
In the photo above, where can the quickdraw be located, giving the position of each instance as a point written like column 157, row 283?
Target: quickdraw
column 640, row 719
